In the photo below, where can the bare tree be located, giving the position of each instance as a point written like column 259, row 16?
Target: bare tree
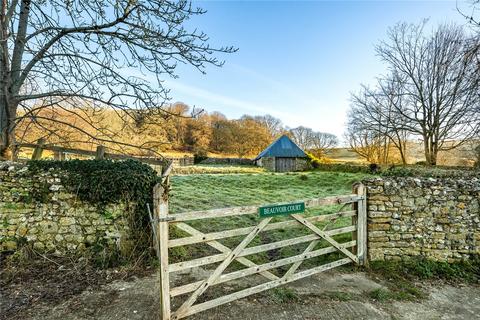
column 470, row 10
column 376, row 110
column 274, row 125
column 302, row 136
column 368, row 144
column 315, row 142
column 101, row 53
column 321, row 141
column 438, row 77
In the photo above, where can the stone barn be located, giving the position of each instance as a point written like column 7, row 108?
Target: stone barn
column 282, row 155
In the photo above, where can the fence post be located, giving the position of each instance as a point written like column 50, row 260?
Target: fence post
column 100, row 155
column 160, row 204
column 37, row 152
column 58, row 155
column 15, row 151
column 361, row 219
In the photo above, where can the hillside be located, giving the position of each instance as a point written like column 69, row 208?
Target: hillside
column 463, row 155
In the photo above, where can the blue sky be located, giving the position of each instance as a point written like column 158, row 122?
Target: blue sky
column 297, row 61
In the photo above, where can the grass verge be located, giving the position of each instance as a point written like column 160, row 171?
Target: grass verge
column 467, row 271
column 404, row 278
column 282, row 295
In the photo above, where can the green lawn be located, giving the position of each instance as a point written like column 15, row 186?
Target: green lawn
column 207, row 191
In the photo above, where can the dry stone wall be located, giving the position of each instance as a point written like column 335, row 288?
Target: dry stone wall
column 38, row 211
column 230, row 161
column 437, row 218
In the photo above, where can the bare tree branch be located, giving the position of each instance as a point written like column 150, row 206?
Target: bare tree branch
column 112, row 53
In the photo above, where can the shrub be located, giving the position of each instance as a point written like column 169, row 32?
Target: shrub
column 374, row 168
column 314, row 161
column 343, row 167
column 200, row 156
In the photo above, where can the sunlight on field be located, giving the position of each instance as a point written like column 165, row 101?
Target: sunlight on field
column 207, row 191
column 198, row 192
column 219, row 169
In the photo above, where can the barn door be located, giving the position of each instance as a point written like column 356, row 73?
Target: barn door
column 284, row 164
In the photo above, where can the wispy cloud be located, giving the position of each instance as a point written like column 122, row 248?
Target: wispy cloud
column 286, row 88
column 220, row 100
column 316, row 118
column 292, row 107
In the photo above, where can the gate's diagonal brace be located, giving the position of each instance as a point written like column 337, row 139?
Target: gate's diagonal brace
column 297, row 264
column 224, row 249
column 218, row 271
column 325, row 236
column 335, row 219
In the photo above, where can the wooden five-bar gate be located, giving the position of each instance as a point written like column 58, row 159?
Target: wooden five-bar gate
column 354, row 250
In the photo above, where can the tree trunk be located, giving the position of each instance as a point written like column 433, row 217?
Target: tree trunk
column 433, row 160
column 8, row 111
column 5, row 129
column 10, row 78
column 433, row 154
column 402, row 151
column 431, row 151
column 426, row 146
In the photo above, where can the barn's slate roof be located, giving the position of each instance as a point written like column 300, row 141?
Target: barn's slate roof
column 283, row 147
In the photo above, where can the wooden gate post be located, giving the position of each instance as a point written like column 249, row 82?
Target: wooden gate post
column 361, row 220
column 160, row 204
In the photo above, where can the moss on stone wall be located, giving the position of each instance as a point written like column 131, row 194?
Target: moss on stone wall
column 69, row 206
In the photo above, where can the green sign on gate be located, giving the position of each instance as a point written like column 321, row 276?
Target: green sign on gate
column 282, row 209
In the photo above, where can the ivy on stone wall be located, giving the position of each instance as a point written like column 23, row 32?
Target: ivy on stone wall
column 103, row 181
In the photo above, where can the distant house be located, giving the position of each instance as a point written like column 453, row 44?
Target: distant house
column 282, row 155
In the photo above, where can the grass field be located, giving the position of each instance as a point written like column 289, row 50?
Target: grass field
column 207, row 191
column 216, row 169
